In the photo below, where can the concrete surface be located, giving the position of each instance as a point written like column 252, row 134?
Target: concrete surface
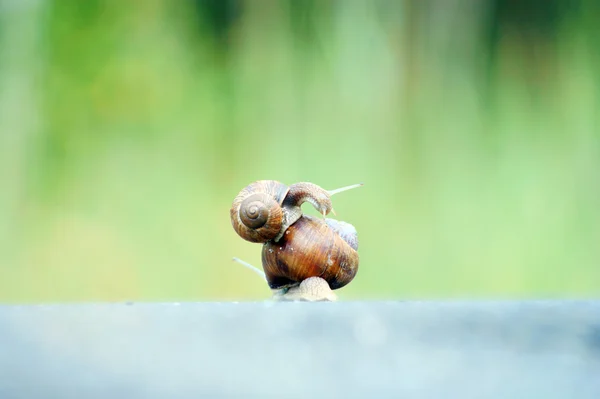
column 494, row 349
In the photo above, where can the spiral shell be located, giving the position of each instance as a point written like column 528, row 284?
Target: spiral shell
column 312, row 247
column 256, row 213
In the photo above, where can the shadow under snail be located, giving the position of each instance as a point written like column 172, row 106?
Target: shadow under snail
column 303, row 257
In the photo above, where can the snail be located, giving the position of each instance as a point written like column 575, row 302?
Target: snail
column 263, row 210
column 303, row 257
column 312, row 247
column 313, row 258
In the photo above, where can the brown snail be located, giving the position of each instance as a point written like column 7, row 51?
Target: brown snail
column 303, row 257
column 312, row 247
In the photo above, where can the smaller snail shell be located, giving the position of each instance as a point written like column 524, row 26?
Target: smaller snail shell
column 311, row 248
column 256, row 213
column 313, row 289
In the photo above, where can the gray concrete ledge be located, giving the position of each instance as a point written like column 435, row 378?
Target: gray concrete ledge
column 456, row 349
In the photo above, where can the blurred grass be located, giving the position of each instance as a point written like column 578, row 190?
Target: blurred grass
column 126, row 129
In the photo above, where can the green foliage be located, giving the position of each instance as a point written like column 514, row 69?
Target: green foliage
column 126, row 129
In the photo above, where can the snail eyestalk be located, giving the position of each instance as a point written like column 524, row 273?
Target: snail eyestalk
column 253, row 268
column 339, row 190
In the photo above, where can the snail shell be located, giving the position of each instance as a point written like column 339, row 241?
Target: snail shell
column 256, row 213
column 312, row 247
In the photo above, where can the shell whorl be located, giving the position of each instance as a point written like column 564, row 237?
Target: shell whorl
column 256, row 213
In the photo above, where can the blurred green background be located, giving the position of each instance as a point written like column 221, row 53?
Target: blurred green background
column 128, row 127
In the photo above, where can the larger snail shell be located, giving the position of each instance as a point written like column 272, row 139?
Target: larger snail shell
column 312, row 247
column 256, row 213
